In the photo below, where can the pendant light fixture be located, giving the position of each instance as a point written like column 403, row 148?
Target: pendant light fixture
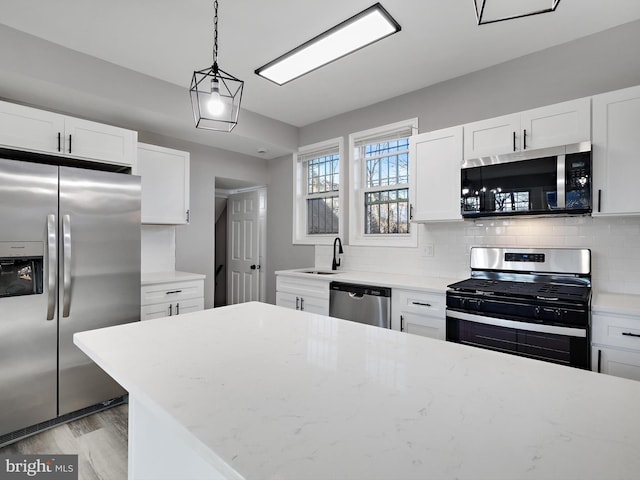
column 492, row 11
column 215, row 94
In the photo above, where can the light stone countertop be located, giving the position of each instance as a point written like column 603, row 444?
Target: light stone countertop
column 274, row 393
column 602, row 302
column 391, row 280
column 169, row 277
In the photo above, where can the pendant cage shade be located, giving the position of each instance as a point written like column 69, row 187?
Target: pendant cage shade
column 492, row 11
column 215, row 99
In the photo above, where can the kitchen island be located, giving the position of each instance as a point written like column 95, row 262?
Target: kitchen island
column 258, row 391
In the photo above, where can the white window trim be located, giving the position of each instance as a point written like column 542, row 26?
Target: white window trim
column 356, row 197
column 300, row 236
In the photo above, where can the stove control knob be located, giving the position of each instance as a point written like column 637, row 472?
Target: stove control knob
column 463, row 302
column 557, row 314
column 537, row 312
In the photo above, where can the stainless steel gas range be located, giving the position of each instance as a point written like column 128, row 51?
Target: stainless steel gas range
column 532, row 302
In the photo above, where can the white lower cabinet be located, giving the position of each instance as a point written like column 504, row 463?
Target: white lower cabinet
column 169, row 299
column 305, row 294
column 616, row 345
column 418, row 312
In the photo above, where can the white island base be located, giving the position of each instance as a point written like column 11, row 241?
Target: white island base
column 257, row 391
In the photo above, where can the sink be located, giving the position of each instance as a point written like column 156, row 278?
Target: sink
column 318, row 272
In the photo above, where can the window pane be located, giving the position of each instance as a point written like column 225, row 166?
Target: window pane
column 322, row 216
column 322, row 174
column 387, row 211
column 387, row 163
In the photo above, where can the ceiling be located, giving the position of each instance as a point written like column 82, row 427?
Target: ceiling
column 439, row 40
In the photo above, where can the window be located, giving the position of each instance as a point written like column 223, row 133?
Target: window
column 381, row 189
column 317, row 202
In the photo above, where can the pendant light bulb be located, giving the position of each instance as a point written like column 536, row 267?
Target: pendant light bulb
column 215, row 105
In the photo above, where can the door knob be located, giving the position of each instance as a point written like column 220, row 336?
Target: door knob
column 255, row 267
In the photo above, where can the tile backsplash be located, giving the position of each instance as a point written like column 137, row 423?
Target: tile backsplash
column 614, row 244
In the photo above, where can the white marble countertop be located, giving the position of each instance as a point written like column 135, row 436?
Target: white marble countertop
column 169, row 277
column 391, row 280
column 274, row 393
column 604, row 302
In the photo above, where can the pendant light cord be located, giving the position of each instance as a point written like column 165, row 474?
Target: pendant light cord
column 215, row 36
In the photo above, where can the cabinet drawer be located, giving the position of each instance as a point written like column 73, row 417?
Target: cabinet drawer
column 419, row 302
column 302, row 286
column 616, row 330
column 425, row 325
column 171, row 292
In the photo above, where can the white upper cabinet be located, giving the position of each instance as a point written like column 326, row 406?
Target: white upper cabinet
column 31, row 129
column 616, row 146
column 492, row 137
column 554, row 125
column 164, row 174
column 436, row 157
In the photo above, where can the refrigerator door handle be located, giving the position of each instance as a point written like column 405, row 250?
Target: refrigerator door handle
column 66, row 265
column 52, row 270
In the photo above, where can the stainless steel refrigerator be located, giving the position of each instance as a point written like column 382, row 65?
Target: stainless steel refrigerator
column 69, row 261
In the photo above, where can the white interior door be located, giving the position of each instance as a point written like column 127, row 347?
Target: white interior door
column 244, row 244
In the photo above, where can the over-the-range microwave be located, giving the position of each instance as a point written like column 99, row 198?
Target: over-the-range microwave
column 538, row 182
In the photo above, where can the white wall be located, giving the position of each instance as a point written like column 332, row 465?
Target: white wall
column 599, row 63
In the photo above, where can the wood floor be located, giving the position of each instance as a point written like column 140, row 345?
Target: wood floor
column 99, row 440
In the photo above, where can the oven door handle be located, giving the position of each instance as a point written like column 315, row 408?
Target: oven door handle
column 531, row 327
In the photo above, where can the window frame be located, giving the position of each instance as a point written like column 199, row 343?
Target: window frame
column 357, row 189
column 299, row 233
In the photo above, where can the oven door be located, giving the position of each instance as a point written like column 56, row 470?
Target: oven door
column 563, row 345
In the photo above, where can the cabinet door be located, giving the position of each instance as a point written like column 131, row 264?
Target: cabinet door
column 99, row 142
column 158, row 310
column 616, row 143
column 427, row 326
column 494, row 136
column 435, row 160
column 188, row 306
column 26, row 128
column 165, row 184
column 560, row 124
column 288, row 300
column 303, row 287
column 620, row 363
column 314, row 305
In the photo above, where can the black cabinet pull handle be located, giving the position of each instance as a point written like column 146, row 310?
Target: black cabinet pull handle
column 69, row 143
column 177, row 309
column 301, row 303
column 524, row 140
column 599, row 361
column 514, row 141
column 599, row 198
column 422, row 304
column 410, row 211
column 297, row 303
column 173, row 291
column 629, row 334
column 59, row 141
column 170, row 310
column 401, row 323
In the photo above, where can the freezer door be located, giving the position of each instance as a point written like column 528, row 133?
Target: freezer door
column 99, row 275
column 28, row 341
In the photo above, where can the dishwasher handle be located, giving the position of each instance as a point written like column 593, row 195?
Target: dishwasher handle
column 357, row 295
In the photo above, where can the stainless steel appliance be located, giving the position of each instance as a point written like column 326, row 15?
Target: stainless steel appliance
column 533, row 182
column 69, row 261
column 532, row 302
column 360, row 303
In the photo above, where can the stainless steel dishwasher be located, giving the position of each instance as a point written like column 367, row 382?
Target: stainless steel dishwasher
column 360, row 303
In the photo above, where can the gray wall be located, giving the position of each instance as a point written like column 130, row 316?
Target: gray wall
column 595, row 64
column 195, row 243
column 281, row 254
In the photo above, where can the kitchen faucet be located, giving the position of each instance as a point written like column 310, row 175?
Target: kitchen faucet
column 336, row 261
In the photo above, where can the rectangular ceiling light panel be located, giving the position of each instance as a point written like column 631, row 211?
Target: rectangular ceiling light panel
column 492, row 11
column 363, row 29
